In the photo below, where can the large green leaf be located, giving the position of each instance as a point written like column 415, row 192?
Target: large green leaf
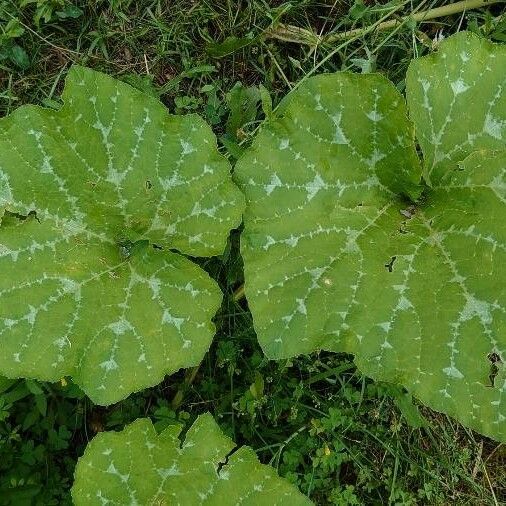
column 137, row 466
column 457, row 100
column 337, row 257
column 89, row 196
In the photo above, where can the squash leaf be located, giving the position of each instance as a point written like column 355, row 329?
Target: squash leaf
column 346, row 250
column 95, row 199
column 137, row 466
column 457, row 101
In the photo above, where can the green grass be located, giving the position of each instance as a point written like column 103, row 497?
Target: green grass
column 341, row 438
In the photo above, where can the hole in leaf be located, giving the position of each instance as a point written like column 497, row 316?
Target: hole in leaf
column 23, row 217
column 390, row 265
column 494, row 357
column 495, row 366
column 10, row 218
column 224, row 462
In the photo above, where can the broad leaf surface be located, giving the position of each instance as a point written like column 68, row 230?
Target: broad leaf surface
column 457, row 100
column 137, row 466
column 86, row 193
column 337, row 258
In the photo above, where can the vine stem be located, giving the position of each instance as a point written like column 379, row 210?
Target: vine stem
column 189, row 377
column 239, row 293
column 290, row 33
column 437, row 12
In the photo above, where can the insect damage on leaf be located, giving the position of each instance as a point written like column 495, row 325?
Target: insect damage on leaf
column 94, row 199
column 345, row 249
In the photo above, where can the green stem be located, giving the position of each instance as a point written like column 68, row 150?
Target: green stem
column 437, row 12
column 331, row 372
column 239, row 293
column 347, row 42
column 189, row 377
column 290, row 33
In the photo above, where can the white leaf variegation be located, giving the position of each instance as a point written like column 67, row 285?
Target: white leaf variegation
column 345, row 250
column 457, row 100
column 93, row 198
column 139, row 467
